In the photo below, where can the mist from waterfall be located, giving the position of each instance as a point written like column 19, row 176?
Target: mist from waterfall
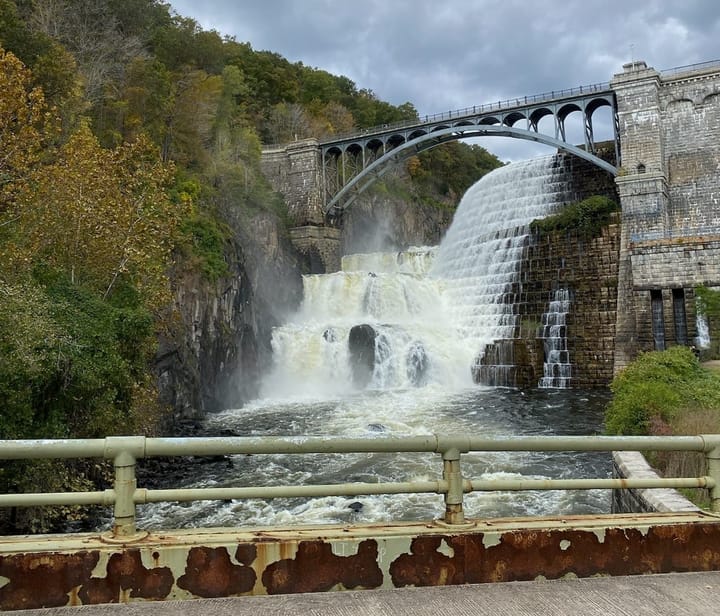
column 431, row 309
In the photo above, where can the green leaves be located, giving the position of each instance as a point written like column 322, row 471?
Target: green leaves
column 204, row 240
column 585, row 217
column 70, row 360
column 659, row 384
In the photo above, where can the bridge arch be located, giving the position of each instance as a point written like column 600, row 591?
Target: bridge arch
column 442, row 134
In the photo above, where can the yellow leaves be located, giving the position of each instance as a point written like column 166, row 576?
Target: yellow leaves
column 101, row 215
column 414, row 166
column 25, row 126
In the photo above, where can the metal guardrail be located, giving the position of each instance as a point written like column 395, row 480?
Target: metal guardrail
column 454, row 114
column 688, row 68
column 125, row 451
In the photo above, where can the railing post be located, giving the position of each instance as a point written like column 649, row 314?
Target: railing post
column 124, row 451
column 454, row 497
column 712, row 455
column 125, row 484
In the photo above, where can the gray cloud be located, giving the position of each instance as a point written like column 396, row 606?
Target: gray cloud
column 458, row 53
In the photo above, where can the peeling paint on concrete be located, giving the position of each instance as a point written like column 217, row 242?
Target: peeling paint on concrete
column 53, row 571
column 344, row 548
column 491, row 539
column 446, row 548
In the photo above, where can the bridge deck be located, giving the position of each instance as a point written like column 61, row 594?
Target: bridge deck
column 675, row 594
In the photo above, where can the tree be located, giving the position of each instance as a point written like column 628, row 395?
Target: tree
column 289, row 122
column 100, row 215
column 189, row 132
column 26, row 128
column 90, row 30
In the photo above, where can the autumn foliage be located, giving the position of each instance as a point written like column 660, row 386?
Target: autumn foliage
column 129, row 139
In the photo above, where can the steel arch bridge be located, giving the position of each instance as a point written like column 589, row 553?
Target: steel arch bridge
column 350, row 164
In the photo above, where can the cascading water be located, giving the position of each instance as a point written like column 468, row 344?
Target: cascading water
column 385, row 348
column 383, row 302
column 480, row 257
column 435, row 325
column 557, row 369
column 702, row 341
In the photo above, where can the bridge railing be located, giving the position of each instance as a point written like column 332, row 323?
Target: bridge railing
column 688, row 68
column 509, row 103
column 125, row 451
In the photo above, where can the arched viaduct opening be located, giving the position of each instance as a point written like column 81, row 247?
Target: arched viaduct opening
column 383, row 159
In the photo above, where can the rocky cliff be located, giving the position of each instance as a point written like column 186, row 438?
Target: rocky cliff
column 382, row 221
column 218, row 339
column 217, row 344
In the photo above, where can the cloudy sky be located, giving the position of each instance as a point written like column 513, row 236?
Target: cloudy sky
column 451, row 54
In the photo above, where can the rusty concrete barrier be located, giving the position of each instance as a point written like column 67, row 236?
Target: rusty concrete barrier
column 62, row 570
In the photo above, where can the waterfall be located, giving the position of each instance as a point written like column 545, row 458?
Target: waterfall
column 421, row 317
column 380, row 323
column 557, row 369
column 480, row 257
column 702, row 341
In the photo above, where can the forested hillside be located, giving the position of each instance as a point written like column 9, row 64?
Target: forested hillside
column 130, row 141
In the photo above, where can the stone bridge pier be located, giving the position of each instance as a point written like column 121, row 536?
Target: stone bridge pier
column 294, row 170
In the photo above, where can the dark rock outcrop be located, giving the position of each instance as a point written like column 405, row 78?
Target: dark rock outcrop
column 217, row 343
column 361, row 342
column 417, row 364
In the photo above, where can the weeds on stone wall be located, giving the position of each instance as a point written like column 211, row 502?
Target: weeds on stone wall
column 586, row 217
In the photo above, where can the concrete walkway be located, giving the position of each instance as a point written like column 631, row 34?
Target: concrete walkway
column 677, row 594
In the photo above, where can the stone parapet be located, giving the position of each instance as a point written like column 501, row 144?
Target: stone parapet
column 633, row 465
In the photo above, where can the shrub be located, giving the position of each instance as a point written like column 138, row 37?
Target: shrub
column 72, row 364
column 204, row 240
column 659, row 384
column 586, row 217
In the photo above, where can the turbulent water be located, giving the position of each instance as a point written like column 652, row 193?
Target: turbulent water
column 432, row 311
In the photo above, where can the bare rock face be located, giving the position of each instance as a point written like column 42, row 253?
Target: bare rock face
column 217, row 343
column 376, row 223
column 210, row 337
column 361, row 343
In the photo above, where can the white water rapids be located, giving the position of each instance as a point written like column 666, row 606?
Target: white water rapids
column 433, row 310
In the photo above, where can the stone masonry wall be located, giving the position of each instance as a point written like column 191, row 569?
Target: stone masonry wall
column 588, row 268
column 633, row 465
column 294, row 171
column 669, row 185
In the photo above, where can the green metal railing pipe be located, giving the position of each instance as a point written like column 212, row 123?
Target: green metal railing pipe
column 142, row 447
column 106, row 497
column 501, row 485
column 125, row 451
column 335, row 489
